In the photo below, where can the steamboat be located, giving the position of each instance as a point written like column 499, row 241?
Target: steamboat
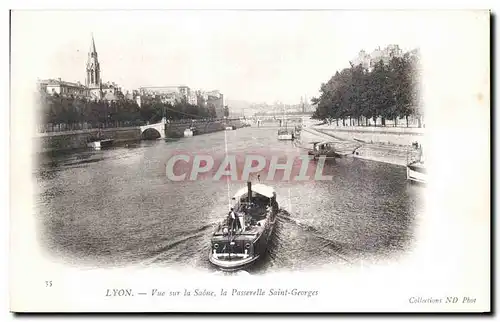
column 242, row 238
column 323, row 149
column 416, row 170
column 285, row 134
column 191, row 131
column 97, row 142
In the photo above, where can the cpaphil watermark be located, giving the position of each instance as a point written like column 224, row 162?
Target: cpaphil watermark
column 241, row 167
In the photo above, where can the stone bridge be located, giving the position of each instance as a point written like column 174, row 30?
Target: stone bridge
column 156, row 130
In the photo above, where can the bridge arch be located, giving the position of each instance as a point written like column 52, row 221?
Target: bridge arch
column 151, row 131
column 150, row 134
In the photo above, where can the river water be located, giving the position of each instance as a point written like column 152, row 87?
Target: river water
column 116, row 207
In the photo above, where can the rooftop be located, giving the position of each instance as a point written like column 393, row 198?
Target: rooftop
column 59, row 82
column 160, row 87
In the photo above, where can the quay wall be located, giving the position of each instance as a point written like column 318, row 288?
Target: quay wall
column 69, row 140
column 382, row 145
column 177, row 130
column 383, row 135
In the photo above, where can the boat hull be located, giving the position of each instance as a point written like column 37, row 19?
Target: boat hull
column 232, row 265
column 414, row 175
column 285, row 137
column 328, row 155
column 235, row 261
column 100, row 144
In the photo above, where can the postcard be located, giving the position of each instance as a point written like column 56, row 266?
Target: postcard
column 250, row 161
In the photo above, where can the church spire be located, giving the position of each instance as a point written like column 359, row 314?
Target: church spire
column 93, row 71
column 92, row 45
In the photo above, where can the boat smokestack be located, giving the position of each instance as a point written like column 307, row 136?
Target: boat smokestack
column 249, row 185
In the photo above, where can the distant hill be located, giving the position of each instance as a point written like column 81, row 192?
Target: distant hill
column 240, row 107
column 237, row 105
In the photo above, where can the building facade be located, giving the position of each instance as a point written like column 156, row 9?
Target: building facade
column 93, row 89
column 167, row 94
column 110, row 91
column 192, row 98
column 171, row 94
column 368, row 61
column 362, row 59
column 201, row 98
column 63, row 88
column 215, row 99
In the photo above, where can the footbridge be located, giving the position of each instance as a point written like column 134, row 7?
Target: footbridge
column 154, row 129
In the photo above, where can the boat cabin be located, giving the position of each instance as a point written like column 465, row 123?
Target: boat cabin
column 284, row 131
column 252, row 207
column 323, row 148
column 256, row 201
column 285, row 134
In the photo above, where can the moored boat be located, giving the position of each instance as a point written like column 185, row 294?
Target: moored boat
column 97, row 144
column 242, row 238
column 323, row 149
column 99, row 141
column 416, row 170
column 285, row 134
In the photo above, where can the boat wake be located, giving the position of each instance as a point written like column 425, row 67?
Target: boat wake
column 319, row 241
column 169, row 250
column 287, row 243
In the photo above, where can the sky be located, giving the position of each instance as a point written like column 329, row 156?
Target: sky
column 255, row 56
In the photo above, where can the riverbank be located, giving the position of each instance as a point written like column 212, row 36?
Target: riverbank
column 397, row 136
column 377, row 149
column 73, row 140
column 177, row 130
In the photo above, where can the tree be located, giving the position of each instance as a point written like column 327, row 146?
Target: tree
column 211, row 110
column 357, row 87
column 389, row 90
column 415, row 79
column 380, row 95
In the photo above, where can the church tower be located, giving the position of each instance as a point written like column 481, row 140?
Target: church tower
column 93, row 79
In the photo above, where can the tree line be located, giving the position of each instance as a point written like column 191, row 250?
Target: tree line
column 56, row 109
column 388, row 91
